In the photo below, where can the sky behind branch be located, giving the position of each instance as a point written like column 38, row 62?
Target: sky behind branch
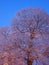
column 8, row 8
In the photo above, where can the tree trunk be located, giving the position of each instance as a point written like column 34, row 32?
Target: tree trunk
column 29, row 62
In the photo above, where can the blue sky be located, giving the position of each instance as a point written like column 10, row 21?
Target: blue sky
column 8, row 8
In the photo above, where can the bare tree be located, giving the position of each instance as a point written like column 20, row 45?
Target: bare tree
column 33, row 26
column 27, row 38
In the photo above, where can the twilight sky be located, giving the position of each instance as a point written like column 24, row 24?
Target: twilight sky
column 8, row 8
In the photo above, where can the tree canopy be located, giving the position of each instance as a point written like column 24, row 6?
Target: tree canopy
column 27, row 39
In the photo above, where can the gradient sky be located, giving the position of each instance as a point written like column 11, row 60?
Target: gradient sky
column 8, row 8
